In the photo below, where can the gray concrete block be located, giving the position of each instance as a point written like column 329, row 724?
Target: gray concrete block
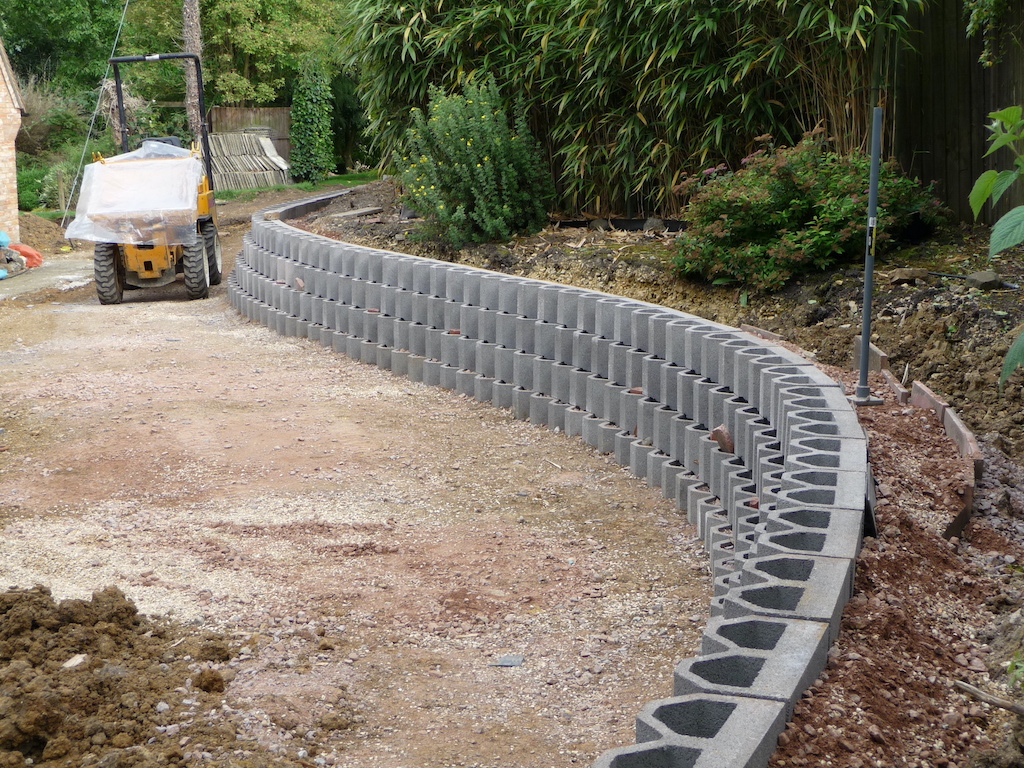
column 758, row 657
column 486, row 325
column 555, row 419
column 501, row 393
column 621, row 448
column 448, row 376
column 702, row 731
column 808, row 588
column 413, row 366
column 573, row 421
column 483, row 388
column 521, row 403
column 819, row 532
column 504, row 364
column 432, row 372
column 524, row 339
column 539, row 408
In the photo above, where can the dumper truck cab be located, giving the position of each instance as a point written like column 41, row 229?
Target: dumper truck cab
column 151, row 211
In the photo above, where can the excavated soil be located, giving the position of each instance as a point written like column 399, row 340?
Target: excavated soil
column 255, row 552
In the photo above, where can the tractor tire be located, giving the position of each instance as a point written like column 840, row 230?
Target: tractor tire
column 197, row 270
column 109, row 273
column 208, row 231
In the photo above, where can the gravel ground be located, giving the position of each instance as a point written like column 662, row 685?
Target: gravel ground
column 346, row 568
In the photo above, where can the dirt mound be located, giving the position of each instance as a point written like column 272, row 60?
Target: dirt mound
column 44, row 235
column 94, row 683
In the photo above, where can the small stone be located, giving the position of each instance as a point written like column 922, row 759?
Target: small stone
column 986, row 280
column 162, row 706
column 907, row 275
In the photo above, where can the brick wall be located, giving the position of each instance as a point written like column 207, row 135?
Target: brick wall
column 10, row 121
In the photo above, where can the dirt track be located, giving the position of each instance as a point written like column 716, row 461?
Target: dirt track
column 370, row 547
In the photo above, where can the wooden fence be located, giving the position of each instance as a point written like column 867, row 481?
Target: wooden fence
column 943, row 97
column 237, row 119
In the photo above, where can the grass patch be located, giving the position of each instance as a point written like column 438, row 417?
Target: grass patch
column 343, row 181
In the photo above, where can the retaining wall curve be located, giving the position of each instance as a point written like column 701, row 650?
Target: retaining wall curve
column 781, row 510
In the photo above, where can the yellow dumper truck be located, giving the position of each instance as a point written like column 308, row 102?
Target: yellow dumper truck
column 151, row 210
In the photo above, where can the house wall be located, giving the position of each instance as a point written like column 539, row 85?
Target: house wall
column 10, row 122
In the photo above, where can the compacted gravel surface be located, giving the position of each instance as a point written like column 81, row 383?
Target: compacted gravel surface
column 252, row 551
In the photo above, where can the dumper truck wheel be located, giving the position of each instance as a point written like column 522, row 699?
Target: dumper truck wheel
column 196, row 269
column 208, row 231
column 109, row 273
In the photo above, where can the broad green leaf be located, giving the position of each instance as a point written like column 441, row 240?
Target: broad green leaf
column 1007, row 232
column 1006, row 178
column 982, row 191
column 1014, row 359
column 999, row 141
column 1010, row 115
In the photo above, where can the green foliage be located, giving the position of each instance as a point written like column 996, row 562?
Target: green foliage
column 471, row 170
column 347, row 121
column 791, row 210
column 627, row 95
column 1007, row 131
column 1015, row 670
column 67, row 41
column 312, row 136
column 30, row 181
column 995, row 22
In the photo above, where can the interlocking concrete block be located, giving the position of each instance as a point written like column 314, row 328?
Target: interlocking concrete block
column 432, row 372
column 414, row 366
column 829, row 488
column 702, row 731
column 792, row 653
column 561, row 382
column 849, row 454
column 798, row 423
column 567, row 311
column 484, row 388
column 582, row 350
column 538, row 409
column 573, row 422
column 501, row 393
column 809, row 588
column 556, row 415
column 790, row 398
column 816, row 531
column 448, row 376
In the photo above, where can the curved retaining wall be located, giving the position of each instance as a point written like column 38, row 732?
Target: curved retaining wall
column 781, row 513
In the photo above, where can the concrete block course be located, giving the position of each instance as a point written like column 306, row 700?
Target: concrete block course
column 780, row 507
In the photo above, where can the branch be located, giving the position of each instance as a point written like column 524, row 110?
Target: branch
column 988, row 698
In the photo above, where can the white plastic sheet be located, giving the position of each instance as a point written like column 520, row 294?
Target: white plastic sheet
column 149, row 195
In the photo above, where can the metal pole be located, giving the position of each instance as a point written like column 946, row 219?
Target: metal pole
column 863, row 392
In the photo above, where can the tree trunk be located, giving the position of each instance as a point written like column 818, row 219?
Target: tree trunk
column 193, row 37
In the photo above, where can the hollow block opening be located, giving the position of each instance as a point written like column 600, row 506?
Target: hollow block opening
column 699, row 718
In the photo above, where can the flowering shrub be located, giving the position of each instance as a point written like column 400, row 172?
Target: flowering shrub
column 792, row 210
column 478, row 177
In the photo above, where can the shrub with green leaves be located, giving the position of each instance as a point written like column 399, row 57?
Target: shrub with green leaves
column 471, row 170
column 30, row 181
column 312, row 134
column 792, row 210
